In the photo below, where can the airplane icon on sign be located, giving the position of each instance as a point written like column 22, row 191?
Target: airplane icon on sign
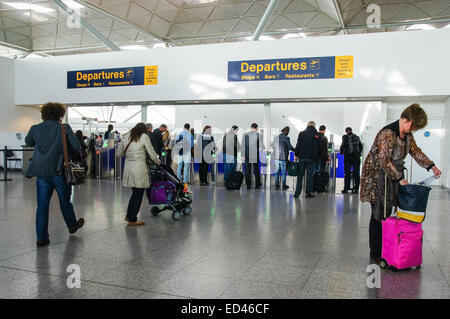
column 314, row 64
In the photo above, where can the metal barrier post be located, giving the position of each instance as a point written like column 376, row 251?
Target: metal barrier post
column 5, row 166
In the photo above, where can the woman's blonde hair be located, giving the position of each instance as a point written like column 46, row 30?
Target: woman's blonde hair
column 417, row 115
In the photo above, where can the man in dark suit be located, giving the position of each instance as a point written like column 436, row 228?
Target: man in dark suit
column 47, row 165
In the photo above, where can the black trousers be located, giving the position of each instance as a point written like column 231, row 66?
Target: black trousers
column 375, row 236
column 349, row 162
column 134, row 205
column 248, row 174
column 203, row 172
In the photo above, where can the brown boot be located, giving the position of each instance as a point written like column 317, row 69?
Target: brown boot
column 137, row 223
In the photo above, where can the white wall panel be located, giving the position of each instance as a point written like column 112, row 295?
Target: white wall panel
column 385, row 64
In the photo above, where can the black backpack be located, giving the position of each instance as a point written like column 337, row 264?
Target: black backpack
column 354, row 145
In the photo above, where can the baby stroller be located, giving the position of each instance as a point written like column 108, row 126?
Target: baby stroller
column 167, row 190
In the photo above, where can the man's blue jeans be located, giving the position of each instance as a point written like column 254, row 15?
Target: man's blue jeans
column 229, row 165
column 184, row 166
column 44, row 190
column 281, row 166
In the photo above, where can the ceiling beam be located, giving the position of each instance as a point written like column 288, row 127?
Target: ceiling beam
column 102, row 11
column 87, row 48
column 329, row 29
column 262, row 24
column 14, row 47
column 339, row 15
column 87, row 26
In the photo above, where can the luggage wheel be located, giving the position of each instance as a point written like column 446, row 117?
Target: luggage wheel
column 187, row 211
column 155, row 211
column 383, row 264
column 176, row 215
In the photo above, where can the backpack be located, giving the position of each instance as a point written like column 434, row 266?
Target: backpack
column 353, row 145
column 179, row 143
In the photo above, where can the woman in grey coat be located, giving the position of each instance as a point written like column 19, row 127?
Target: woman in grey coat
column 135, row 146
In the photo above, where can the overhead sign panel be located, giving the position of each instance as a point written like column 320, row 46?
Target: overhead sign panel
column 141, row 75
column 329, row 67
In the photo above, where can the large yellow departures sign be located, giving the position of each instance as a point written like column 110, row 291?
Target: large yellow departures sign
column 141, row 75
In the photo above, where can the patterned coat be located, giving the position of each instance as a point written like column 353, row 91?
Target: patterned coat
column 387, row 148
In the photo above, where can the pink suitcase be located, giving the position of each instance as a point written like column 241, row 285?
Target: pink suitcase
column 402, row 243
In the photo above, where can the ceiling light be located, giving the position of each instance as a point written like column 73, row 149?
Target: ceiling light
column 159, row 45
column 420, row 27
column 447, row 26
column 261, row 38
column 203, row 1
column 133, row 47
column 33, row 56
column 35, row 17
column 28, row 6
column 294, row 35
column 73, row 4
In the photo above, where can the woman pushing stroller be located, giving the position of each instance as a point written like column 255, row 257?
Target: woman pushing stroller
column 135, row 146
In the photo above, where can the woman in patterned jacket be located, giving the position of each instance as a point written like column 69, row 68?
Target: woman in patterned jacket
column 391, row 146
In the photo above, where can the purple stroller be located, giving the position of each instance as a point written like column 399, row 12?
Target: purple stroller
column 167, row 190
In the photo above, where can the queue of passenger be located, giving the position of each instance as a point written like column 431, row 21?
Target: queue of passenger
column 383, row 163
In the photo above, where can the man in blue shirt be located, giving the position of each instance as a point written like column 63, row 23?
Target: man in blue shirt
column 183, row 146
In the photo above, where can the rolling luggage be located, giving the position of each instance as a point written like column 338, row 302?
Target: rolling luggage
column 402, row 239
column 402, row 244
column 320, row 181
column 234, row 180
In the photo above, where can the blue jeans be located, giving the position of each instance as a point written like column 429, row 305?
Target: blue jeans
column 184, row 160
column 229, row 165
column 281, row 166
column 44, row 189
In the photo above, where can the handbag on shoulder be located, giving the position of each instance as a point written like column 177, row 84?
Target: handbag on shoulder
column 73, row 172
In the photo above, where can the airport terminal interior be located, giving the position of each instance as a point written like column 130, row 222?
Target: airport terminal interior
column 222, row 66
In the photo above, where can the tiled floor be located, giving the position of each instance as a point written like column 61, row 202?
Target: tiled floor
column 248, row 244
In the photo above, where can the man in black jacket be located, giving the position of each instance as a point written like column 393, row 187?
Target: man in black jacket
column 351, row 148
column 47, row 165
column 157, row 139
column 306, row 151
column 230, row 149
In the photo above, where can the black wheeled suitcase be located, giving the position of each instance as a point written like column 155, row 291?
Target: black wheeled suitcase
column 320, row 181
column 234, row 180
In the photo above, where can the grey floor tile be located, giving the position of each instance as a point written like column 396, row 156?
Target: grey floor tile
column 333, row 284
column 278, row 274
column 194, row 285
column 244, row 289
column 143, row 277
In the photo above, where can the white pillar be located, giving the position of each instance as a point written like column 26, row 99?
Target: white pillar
column 267, row 138
column 144, row 113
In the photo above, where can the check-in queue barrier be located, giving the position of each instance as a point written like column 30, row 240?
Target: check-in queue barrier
column 26, row 158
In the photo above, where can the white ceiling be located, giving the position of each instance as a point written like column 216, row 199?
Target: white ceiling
column 190, row 22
